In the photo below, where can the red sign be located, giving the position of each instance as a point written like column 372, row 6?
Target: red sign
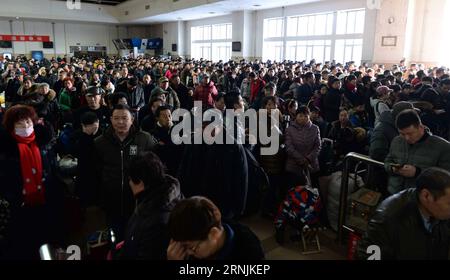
column 25, row 38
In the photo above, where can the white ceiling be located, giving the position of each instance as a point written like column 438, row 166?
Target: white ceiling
column 220, row 8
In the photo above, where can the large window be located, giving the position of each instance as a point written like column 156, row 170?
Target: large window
column 310, row 25
column 333, row 35
column 273, row 27
column 307, row 50
column 211, row 42
column 350, row 22
column 348, row 50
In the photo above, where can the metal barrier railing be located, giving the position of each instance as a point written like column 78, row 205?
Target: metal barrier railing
column 349, row 158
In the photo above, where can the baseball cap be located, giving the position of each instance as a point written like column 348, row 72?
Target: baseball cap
column 163, row 80
column 382, row 90
column 94, row 90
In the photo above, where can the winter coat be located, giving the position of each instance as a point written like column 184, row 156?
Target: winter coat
column 136, row 98
column 186, row 101
column 42, row 221
column 147, row 236
column 430, row 151
column 87, row 182
column 398, row 229
column 103, row 115
column 379, row 107
column 304, row 93
column 331, row 104
column 112, row 160
column 218, row 172
column 302, row 147
column 171, row 97
column 382, row 136
column 205, row 94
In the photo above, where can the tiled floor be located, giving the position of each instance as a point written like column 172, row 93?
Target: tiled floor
column 264, row 229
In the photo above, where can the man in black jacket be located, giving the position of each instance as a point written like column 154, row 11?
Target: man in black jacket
column 169, row 153
column 86, row 184
column 148, row 87
column 156, row 194
column 306, row 91
column 413, row 224
column 184, row 94
column 197, row 231
column 223, row 165
column 135, row 96
column 114, row 150
column 93, row 98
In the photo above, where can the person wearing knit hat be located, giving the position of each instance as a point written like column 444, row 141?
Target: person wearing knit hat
column 386, row 130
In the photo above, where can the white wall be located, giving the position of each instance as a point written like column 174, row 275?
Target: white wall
column 56, row 10
column 419, row 29
column 397, row 10
column 171, row 33
column 72, row 34
column 428, row 33
column 243, row 31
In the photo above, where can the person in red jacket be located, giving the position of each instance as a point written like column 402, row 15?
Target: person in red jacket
column 205, row 92
column 256, row 85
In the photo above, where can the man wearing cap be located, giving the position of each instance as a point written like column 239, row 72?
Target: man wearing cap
column 93, row 98
column 14, row 83
column 171, row 96
column 135, row 95
column 205, row 92
column 379, row 104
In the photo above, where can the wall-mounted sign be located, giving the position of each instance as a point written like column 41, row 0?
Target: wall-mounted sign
column 389, row 41
column 25, row 38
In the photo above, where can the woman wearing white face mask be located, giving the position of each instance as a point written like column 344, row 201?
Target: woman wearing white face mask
column 26, row 182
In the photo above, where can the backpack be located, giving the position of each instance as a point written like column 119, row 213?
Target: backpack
column 302, row 206
column 65, row 139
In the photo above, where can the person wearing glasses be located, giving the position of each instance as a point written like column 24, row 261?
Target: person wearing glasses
column 197, row 231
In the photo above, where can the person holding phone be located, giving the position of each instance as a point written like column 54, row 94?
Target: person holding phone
column 414, row 150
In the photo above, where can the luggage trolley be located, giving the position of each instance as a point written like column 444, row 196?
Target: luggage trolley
column 343, row 208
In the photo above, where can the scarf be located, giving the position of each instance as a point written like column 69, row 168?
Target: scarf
column 31, row 167
column 351, row 87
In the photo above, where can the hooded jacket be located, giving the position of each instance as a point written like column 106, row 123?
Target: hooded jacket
column 382, row 136
column 147, row 235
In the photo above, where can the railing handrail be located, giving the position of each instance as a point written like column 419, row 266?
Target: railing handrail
column 344, row 186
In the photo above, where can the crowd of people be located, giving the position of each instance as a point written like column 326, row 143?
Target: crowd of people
column 170, row 201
